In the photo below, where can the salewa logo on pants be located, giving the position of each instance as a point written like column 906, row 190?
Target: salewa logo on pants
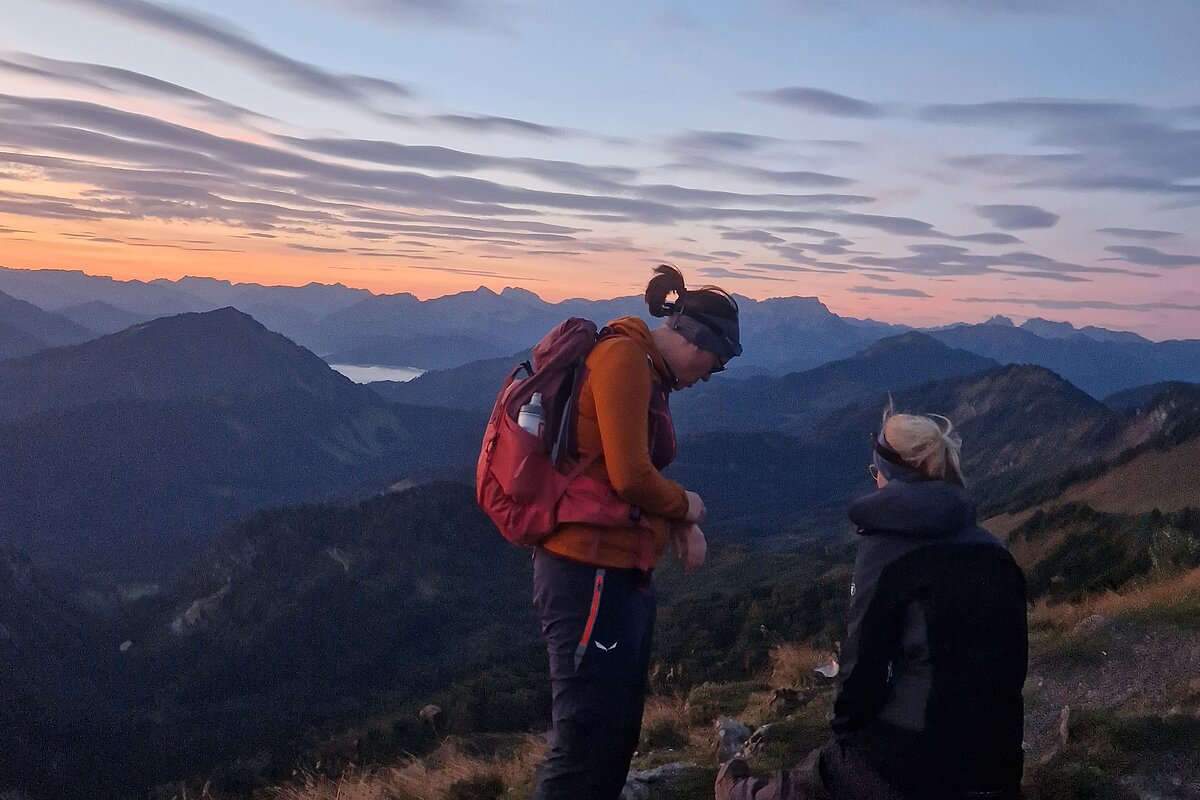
column 606, row 649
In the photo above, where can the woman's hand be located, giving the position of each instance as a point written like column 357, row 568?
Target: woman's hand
column 690, row 545
column 696, row 512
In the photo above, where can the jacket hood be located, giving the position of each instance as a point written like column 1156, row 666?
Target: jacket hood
column 639, row 331
column 926, row 509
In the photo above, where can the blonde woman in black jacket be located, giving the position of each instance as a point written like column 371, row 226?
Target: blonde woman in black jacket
column 929, row 699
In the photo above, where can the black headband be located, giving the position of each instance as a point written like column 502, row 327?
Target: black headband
column 715, row 334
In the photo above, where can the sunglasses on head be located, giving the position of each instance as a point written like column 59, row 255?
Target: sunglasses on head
column 885, row 451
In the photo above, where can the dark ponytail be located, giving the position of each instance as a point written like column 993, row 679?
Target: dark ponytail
column 666, row 281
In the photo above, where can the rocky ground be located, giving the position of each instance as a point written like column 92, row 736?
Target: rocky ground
column 1112, row 711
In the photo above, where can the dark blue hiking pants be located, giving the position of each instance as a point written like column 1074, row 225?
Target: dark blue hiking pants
column 598, row 624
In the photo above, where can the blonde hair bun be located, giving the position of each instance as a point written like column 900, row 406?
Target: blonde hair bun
column 926, row 442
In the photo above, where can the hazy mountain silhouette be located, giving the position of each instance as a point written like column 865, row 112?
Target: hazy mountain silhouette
column 216, row 355
column 790, row 334
column 103, row 317
column 294, row 311
column 1065, row 330
column 127, row 453
column 421, row 352
column 26, row 328
column 473, row 386
column 1020, row 426
column 15, row 342
column 501, row 323
column 781, row 335
column 792, row 403
column 1100, row 368
column 53, row 289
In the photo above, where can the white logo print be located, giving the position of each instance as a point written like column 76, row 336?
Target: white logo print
column 606, row 649
column 852, row 588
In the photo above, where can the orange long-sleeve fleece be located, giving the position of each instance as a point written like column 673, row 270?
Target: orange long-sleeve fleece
column 613, row 424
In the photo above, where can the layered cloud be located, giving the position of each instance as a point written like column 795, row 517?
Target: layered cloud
column 470, row 14
column 1122, row 147
column 914, row 293
column 1138, row 233
column 1070, row 305
column 1153, row 257
column 222, row 39
column 119, row 81
column 820, row 101
column 1119, row 147
column 1017, row 217
column 853, row 193
column 951, row 260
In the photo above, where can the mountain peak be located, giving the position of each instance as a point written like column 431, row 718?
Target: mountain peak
column 906, row 341
column 222, row 354
column 221, row 322
column 517, row 293
column 1000, row 319
column 1048, row 329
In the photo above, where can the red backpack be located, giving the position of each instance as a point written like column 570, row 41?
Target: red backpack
column 519, row 480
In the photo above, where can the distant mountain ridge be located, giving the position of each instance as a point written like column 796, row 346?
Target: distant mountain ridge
column 1065, row 330
column 780, row 335
column 127, row 453
column 472, row 386
column 25, row 328
column 1020, row 425
column 161, row 361
column 1099, row 367
column 793, row 403
column 103, row 317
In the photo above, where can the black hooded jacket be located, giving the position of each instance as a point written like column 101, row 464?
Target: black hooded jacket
column 935, row 655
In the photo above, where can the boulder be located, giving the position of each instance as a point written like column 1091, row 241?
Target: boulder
column 432, row 718
column 731, row 735
column 1090, row 625
column 641, row 785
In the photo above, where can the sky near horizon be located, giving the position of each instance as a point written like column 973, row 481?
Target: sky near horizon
column 917, row 161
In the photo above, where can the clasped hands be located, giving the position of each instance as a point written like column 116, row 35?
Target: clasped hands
column 686, row 536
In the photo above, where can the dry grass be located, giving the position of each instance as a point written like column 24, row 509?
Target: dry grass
column 359, row 785
column 1027, row 553
column 666, row 722
column 792, row 665
column 1138, row 486
column 428, row 778
column 1165, row 592
column 1002, row 525
column 665, row 710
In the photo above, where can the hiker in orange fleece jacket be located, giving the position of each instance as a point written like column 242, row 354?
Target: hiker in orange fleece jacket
column 593, row 591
